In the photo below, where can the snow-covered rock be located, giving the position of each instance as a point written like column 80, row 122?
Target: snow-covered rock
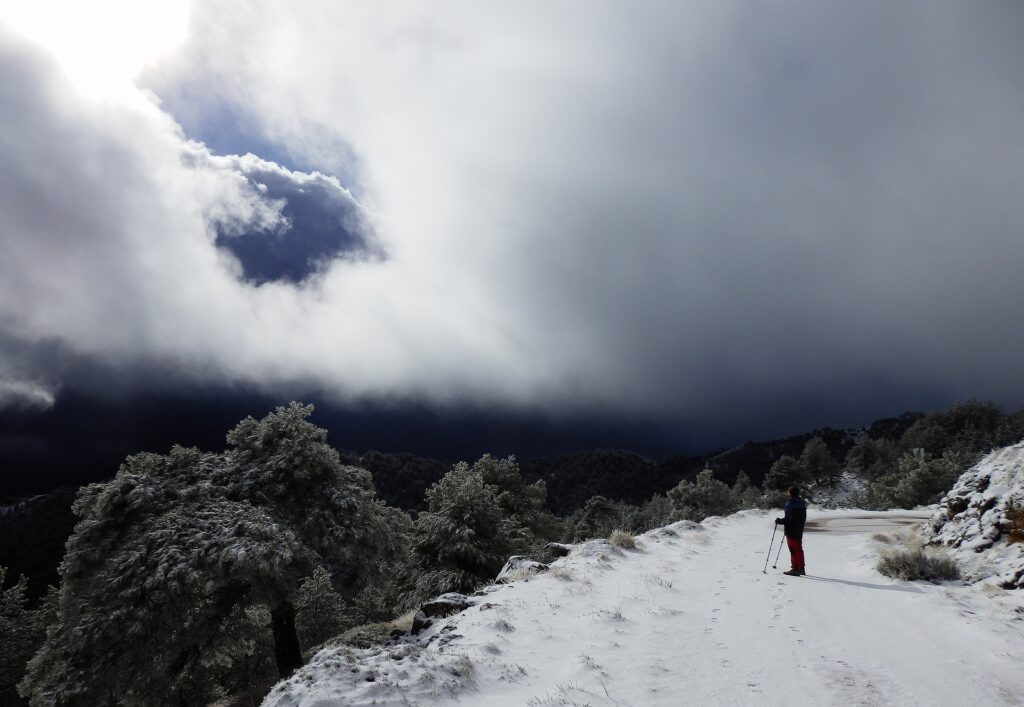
column 444, row 605
column 558, row 549
column 518, row 567
column 447, row 604
column 977, row 517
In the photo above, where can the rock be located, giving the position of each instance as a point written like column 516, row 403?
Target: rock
column 956, row 505
column 518, row 567
column 558, row 549
column 420, row 622
column 446, row 605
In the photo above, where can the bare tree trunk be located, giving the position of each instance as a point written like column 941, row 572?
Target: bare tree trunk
column 286, row 641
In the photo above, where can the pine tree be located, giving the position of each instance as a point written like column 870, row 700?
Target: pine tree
column 744, row 493
column 784, row 473
column 654, row 513
column 521, row 503
column 817, row 462
column 169, row 559
column 919, row 479
column 319, row 610
column 704, row 496
column 22, row 631
column 464, row 538
column 597, row 518
column 871, row 458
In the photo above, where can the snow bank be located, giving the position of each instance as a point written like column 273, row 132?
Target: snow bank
column 405, row 673
column 975, row 519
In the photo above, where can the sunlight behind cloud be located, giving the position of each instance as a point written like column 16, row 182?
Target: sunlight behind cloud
column 101, row 45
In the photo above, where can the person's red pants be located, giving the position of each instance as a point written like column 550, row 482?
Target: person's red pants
column 796, row 552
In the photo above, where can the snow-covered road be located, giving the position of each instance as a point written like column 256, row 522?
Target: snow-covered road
column 690, row 619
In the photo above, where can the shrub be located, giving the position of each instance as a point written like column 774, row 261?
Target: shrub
column 914, row 562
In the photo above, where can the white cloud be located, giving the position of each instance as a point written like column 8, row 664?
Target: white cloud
column 674, row 209
column 25, row 394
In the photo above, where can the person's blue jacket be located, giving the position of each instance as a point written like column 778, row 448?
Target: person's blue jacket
column 796, row 516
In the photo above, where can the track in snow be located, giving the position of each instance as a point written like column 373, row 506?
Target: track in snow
column 692, row 619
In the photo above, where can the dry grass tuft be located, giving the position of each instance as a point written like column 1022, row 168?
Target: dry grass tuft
column 623, row 540
column 883, row 538
column 403, row 622
column 913, row 562
column 520, row 574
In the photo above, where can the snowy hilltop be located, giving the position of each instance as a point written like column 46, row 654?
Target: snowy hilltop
column 982, row 518
column 689, row 617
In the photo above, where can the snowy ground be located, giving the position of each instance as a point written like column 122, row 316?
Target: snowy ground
column 690, row 619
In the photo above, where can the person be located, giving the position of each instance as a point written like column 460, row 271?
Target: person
column 793, row 522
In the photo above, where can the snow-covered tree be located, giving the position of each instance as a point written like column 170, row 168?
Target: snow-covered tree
column 520, row 502
column 871, row 458
column 465, row 536
column 818, row 463
column 597, row 518
column 919, row 479
column 784, row 472
column 654, row 513
column 22, row 630
column 704, row 496
column 319, row 610
column 744, row 493
column 168, row 556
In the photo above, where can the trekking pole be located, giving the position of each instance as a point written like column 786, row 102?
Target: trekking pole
column 778, row 553
column 772, row 542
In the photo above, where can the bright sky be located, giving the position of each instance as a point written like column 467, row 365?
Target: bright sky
column 103, row 44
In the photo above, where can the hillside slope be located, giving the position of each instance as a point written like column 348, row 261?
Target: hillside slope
column 691, row 619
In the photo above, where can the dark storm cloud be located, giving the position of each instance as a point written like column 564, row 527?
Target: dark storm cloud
column 724, row 219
